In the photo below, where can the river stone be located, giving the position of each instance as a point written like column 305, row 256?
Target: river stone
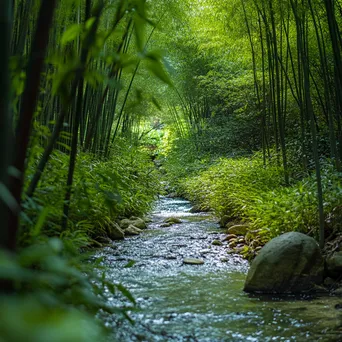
column 192, row 261
column 114, row 232
column 132, row 230
column 217, row 243
column 229, row 237
column 172, row 220
column 334, row 265
column 165, row 225
column 239, row 229
column 292, row 262
column 104, row 240
column 133, row 221
column 338, row 292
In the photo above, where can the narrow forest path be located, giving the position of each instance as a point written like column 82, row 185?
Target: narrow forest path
column 180, row 302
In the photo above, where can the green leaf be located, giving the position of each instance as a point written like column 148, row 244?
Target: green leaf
column 126, row 293
column 139, row 29
column 67, row 147
column 131, row 263
column 156, row 103
column 14, row 172
column 157, row 69
column 41, row 220
column 71, row 33
column 7, row 197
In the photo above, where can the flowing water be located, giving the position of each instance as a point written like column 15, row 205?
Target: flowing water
column 180, row 302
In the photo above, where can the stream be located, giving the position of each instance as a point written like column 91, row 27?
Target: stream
column 180, row 302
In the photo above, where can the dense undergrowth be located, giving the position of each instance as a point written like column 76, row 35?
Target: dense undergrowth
column 244, row 190
column 104, row 190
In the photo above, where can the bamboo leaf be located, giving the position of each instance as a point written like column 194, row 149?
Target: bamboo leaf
column 40, row 222
column 157, row 69
column 7, row 197
column 126, row 293
column 71, row 33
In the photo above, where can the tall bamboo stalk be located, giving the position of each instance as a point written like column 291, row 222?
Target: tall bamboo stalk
column 5, row 117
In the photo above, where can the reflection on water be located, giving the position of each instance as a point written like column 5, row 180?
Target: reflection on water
column 204, row 302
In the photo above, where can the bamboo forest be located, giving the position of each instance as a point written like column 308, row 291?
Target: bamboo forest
column 171, row 170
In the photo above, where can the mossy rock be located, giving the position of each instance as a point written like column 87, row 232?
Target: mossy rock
column 239, row 229
column 132, row 230
column 133, row 221
column 165, row 225
column 114, row 232
column 290, row 263
column 173, row 220
column 217, row 243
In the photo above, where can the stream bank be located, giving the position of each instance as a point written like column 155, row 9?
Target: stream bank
column 180, row 302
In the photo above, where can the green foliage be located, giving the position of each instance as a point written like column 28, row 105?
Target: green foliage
column 246, row 190
column 59, row 295
column 104, row 191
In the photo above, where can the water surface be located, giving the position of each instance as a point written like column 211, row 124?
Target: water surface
column 179, row 302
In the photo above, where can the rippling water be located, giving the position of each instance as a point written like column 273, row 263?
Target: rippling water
column 179, row 302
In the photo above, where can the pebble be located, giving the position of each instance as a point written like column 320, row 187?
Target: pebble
column 192, row 261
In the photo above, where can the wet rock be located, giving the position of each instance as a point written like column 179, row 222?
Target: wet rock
column 217, row 243
column 334, row 265
column 292, row 262
column 232, row 244
column 114, row 232
column 103, row 240
column 239, row 229
column 132, row 230
column 229, row 237
column 165, row 225
column 205, row 251
column 192, row 261
column 171, row 257
column 173, row 220
column 133, row 221
column 199, row 237
column 338, row 291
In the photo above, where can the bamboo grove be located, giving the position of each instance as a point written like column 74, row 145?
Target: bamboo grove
column 297, row 61
column 69, row 70
column 71, row 66
column 294, row 60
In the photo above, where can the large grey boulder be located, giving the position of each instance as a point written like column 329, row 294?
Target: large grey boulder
column 290, row 263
